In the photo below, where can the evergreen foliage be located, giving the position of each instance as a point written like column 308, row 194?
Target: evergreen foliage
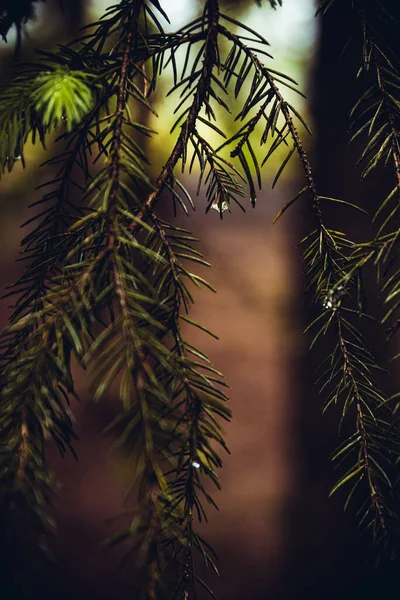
column 109, row 252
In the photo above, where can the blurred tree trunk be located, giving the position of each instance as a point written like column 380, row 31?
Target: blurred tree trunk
column 326, row 558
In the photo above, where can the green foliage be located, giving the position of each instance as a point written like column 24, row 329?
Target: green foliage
column 38, row 102
column 109, row 282
column 62, row 95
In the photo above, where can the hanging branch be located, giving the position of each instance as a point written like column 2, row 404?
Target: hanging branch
column 105, row 247
column 348, row 371
column 193, row 394
column 36, row 350
column 377, row 112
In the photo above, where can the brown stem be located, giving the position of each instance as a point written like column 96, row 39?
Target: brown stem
column 24, row 444
column 348, row 369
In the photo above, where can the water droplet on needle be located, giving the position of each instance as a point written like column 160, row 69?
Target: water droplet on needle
column 333, row 297
column 220, row 206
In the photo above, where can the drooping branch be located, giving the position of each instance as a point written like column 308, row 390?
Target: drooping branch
column 330, row 276
column 210, row 61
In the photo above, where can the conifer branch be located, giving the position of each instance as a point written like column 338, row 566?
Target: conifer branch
column 382, row 66
column 199, row 399
column 210, row 60
column 377, row 113
column 328, row 270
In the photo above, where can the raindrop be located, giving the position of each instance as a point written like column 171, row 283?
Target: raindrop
column 195, row 465
column 220, row 206
column 333, row 297
column 328, row 303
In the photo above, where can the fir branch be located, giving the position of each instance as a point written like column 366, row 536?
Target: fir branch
column 152, row 481
column 180, row 294
column 377, row 115
column 210, row 60
column 199, row 399
column 328, row 273
column 114, row 252
column 377, row 111
column 34, row 387
column 44, row 408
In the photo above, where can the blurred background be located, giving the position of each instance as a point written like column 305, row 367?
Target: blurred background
column 277, row 534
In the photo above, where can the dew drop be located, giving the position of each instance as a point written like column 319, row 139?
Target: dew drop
column 195, row 465
column 328, row 304
column 220, row 206
column 333, row 297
